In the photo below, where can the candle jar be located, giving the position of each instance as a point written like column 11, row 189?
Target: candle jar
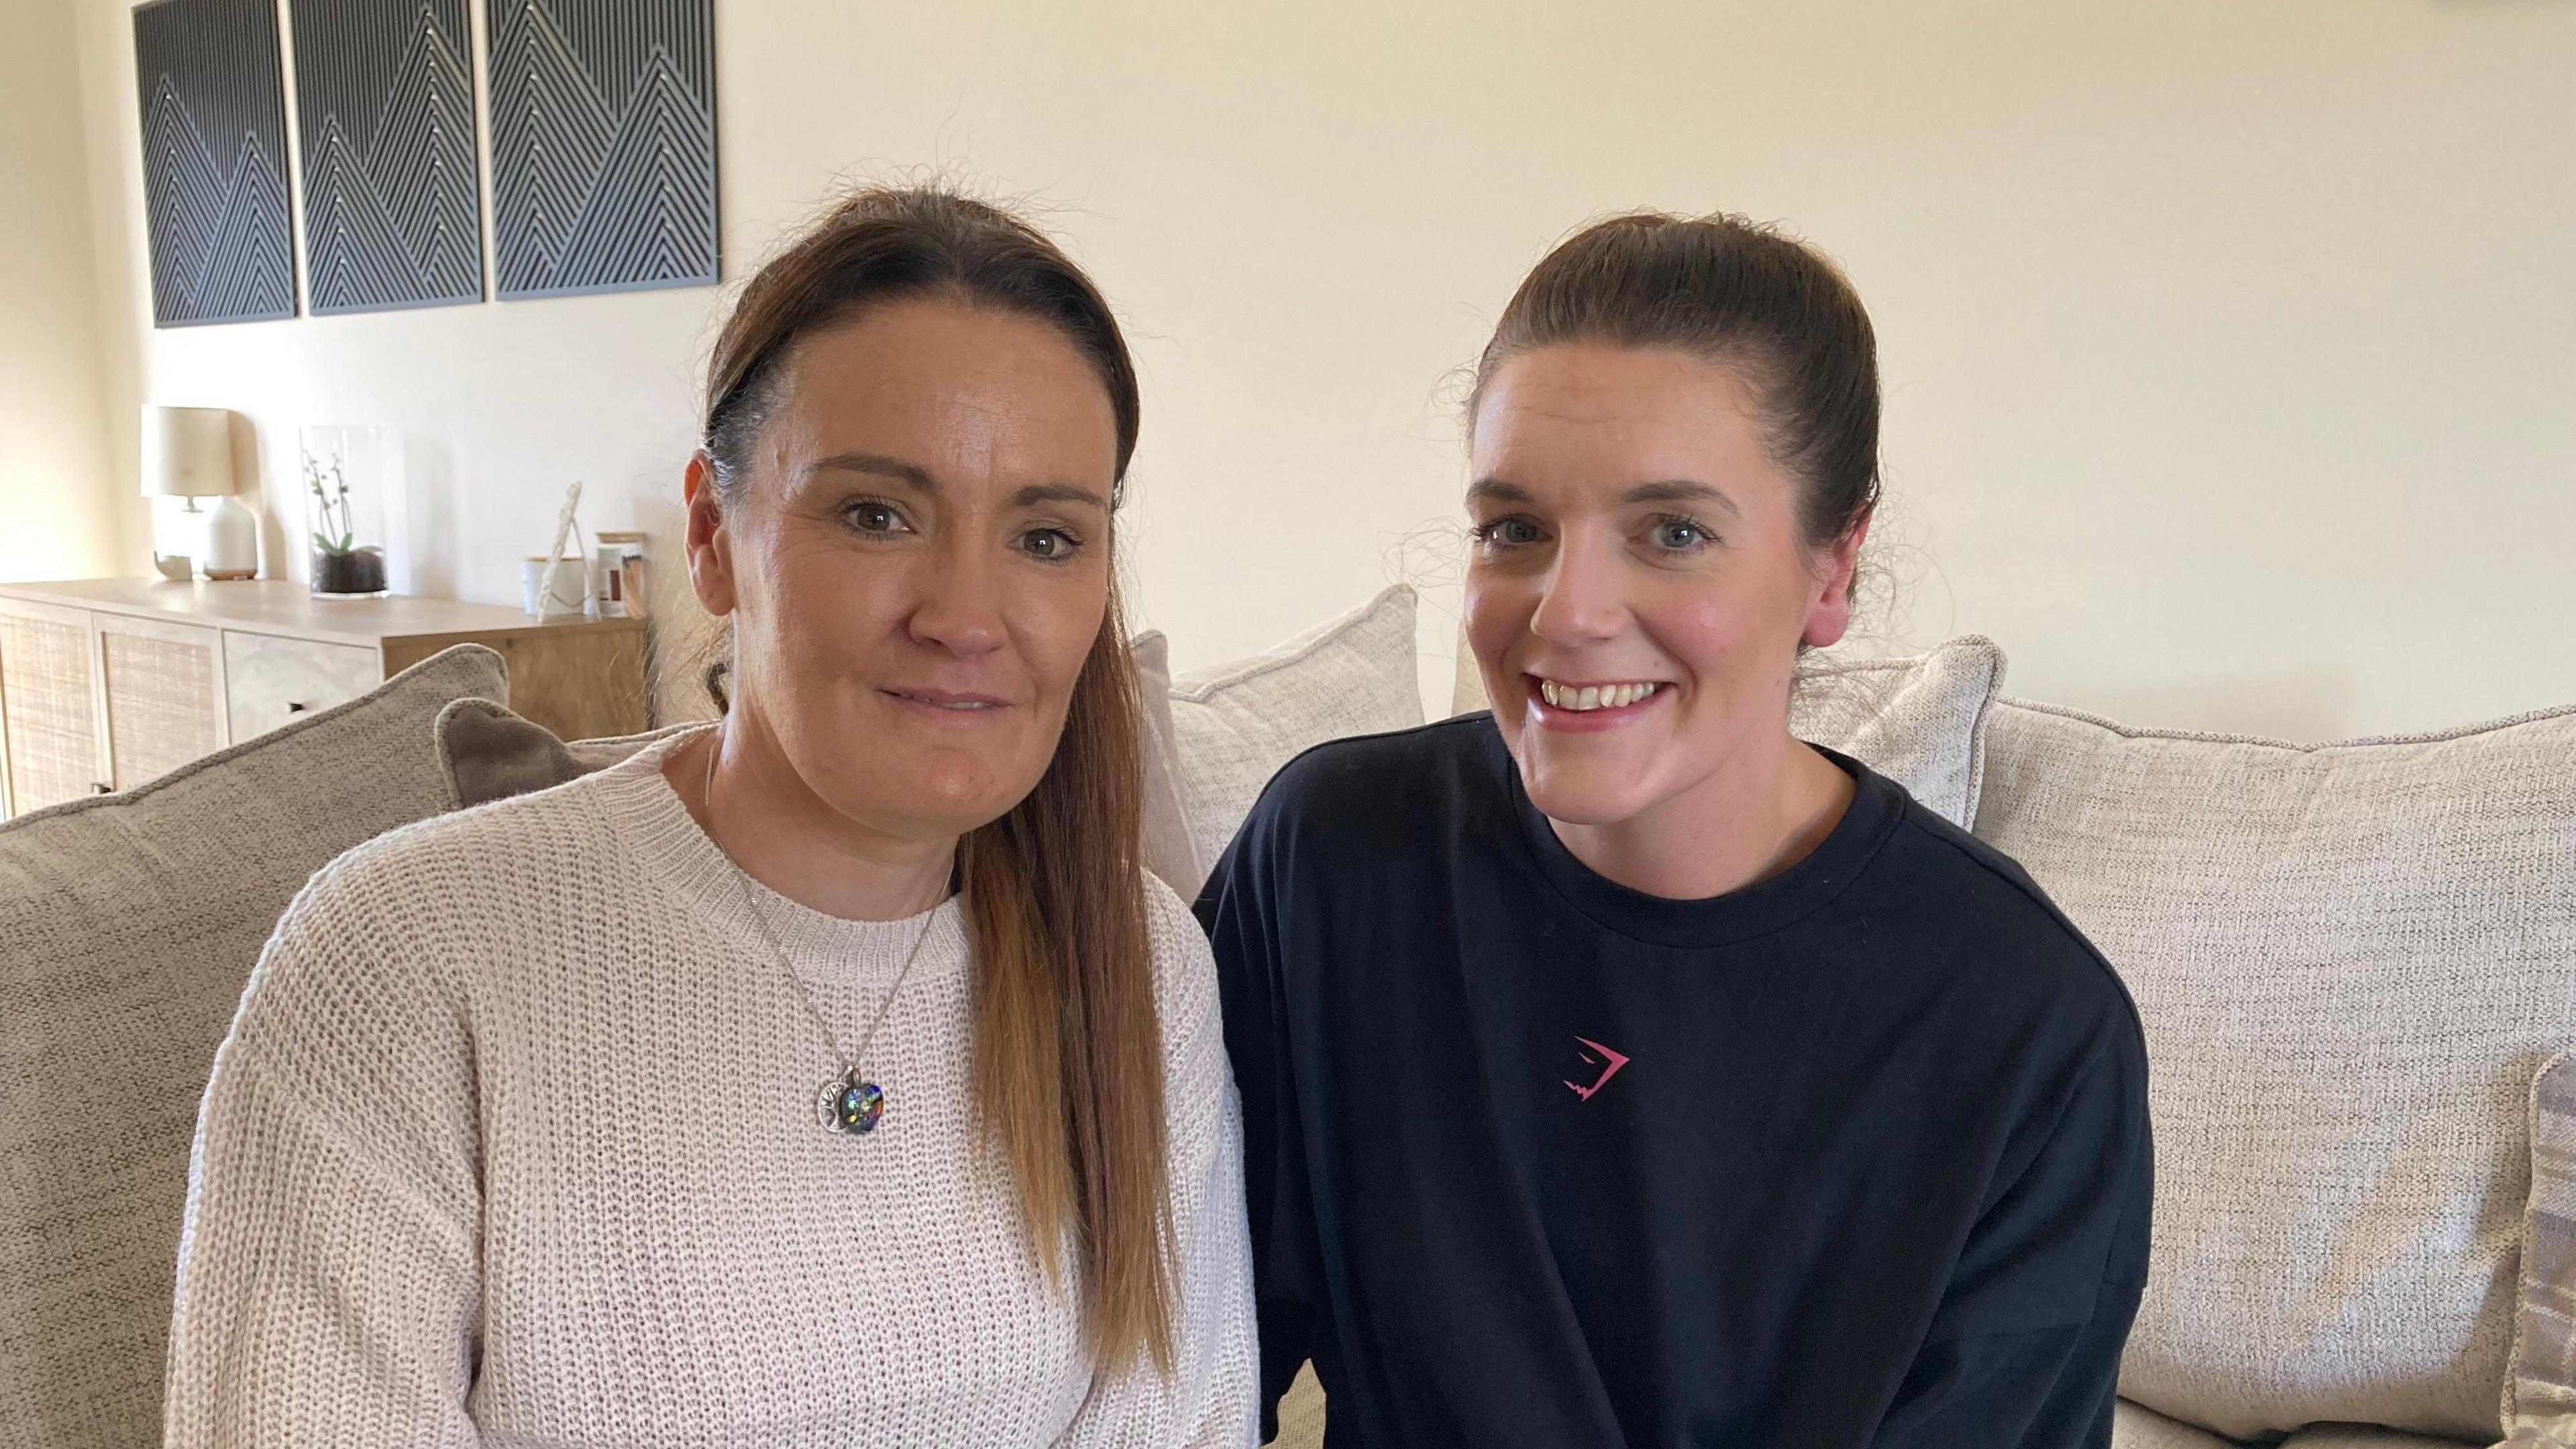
column 344, row 500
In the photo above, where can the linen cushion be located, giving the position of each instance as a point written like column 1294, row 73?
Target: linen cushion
column 128, row 924
column 492, row 754
column 1237, row 723
column 2350, row 960
column 1920, row 722
column 2136, row 1428
column 1170, row 852
column 2540, row 1392
column 2371, row 1436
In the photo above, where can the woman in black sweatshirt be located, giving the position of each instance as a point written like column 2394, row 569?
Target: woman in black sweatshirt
column 1618, row 1069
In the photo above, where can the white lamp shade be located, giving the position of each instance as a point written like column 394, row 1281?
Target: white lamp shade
column 187, row 452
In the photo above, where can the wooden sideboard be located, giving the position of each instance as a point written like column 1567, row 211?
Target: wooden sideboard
column 106, row 683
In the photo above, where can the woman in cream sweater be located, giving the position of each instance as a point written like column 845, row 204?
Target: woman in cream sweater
column 830, row 1076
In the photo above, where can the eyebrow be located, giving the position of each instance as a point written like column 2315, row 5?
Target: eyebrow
column 911, row 475
column 1668, row 490
column 919, row 479
column 1057, row 493
column 1680, row 490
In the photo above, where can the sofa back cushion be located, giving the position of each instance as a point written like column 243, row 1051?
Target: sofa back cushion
column 128, row 924
column 2350, row 960
column 2540, row 1392
column 1235, row 724
column 1920, row 722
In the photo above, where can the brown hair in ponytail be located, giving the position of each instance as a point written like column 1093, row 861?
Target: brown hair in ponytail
column 1068, row 1052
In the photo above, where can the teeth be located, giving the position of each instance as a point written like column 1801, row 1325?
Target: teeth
column 1593, row 696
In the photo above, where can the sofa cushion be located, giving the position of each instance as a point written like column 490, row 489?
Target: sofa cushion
column 128, row 924
column 2540, row 1391
column 2350, row 960
column 2371, row 1436
column 1170, row 852
column 2136, row 1428
column 1237, row 723
column 1920, row 722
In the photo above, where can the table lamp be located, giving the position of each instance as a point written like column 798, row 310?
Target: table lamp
column 188, row 453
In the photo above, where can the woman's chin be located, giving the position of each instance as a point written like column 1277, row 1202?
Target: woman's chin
column 1586, row 793
column 928, row 798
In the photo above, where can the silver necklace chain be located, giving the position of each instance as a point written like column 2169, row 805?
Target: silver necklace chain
column 850, row 1104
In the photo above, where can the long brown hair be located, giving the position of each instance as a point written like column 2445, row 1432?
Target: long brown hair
column 1068, row 1051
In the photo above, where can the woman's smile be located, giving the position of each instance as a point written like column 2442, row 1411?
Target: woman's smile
column 1591, row 706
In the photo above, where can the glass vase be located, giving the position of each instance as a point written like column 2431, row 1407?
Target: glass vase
column 344, row 505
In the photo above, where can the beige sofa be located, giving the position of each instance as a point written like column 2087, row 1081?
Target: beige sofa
column 2351, row 961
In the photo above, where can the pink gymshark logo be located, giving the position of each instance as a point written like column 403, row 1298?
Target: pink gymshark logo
column 1613, row 1062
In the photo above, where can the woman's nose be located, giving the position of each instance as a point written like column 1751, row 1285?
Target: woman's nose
column 960, row 608
column 1578, row 599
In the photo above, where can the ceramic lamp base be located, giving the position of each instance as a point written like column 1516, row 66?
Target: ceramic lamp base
column 232, row 541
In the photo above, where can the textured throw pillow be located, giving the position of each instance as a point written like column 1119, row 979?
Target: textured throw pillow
column 1920, row 722
column 1170, row 852
column 1236, row 724
column 128, row 924
column 2350, row 960
column 492, row 754
column 2540, row 1391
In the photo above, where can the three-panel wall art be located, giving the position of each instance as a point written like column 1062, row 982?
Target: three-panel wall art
column 602, row 152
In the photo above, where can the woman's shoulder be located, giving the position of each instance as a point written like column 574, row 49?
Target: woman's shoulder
column 1184, row 967
column 428, row 900
column 1999, row 924
column 487, row 853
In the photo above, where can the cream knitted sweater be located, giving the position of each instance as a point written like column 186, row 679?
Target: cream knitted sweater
column 513, row 1142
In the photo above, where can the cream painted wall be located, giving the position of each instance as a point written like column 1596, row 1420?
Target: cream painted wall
column 2230, row 349
column 61, row 513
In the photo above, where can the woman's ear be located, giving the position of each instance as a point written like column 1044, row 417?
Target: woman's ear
column 1829, row 618
column 710, row 545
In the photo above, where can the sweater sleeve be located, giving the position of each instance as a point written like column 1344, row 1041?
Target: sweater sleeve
column 1207, row 1401
column 328, row 1275
column 2024, row 1351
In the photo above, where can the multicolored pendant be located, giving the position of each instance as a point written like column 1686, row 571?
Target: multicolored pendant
column 849, row 1106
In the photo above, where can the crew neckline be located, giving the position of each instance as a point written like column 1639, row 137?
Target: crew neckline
column 1877, row 807
column 709, row 887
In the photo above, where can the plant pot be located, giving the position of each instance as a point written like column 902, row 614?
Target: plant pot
column 358, row 573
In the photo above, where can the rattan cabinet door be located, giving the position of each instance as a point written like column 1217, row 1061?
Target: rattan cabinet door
column 165, row 693
column 48, row 716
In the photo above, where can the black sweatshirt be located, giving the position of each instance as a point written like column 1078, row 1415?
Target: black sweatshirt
column 1854, row 1156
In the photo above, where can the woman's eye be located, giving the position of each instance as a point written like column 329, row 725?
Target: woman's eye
column 1507, row 532
column 1678, row 534
column 877, row 518
column 1048, row 543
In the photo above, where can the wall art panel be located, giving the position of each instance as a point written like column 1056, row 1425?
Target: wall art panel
column 384, row 106
column 214, row 161
column 603, row 145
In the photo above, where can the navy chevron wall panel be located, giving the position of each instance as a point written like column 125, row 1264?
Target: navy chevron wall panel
column 214, row 161
column 603, row 145
column 384, row 104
